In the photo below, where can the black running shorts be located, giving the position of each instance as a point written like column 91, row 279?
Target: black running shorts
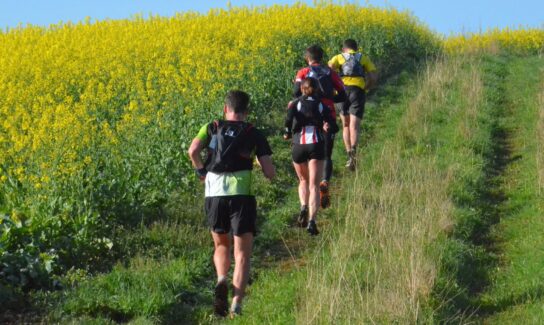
column 305, row 152
column 355, row 102
column 231, row 213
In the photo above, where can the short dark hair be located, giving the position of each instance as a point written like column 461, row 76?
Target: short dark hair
column 314, row 53
column 237, row 101
column 350, row 44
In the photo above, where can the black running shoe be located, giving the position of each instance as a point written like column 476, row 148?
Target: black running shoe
column 303, row 218
column 312, row 228
column 220, row 303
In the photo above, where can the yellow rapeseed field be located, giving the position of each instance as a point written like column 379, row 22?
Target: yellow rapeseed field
column 519, row 41
column 68, row 86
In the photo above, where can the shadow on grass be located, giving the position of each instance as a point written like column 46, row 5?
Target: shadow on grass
column 532, row 294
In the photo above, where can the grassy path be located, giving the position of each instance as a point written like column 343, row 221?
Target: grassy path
column 492, row 271
column 276, row 296
column 516, row 284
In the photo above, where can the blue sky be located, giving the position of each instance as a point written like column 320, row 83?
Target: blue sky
column 442, row 16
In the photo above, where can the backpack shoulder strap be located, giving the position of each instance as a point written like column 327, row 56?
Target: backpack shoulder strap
column 326, row 70
column 358, row 57
column 217, row 124
column 346, row 56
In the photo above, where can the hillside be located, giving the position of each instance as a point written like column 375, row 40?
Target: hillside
column 101, row 213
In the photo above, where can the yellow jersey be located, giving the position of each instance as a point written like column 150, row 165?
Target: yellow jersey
column 337, row 61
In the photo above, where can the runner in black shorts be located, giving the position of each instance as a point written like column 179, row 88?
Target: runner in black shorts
column 236, row 214
column 331, row 90
column 230, row 205
column 359, row 75
column 355, row 102
column 305, row 152
column 307, row 119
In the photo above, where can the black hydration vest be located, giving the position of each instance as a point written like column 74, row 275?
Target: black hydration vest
column 225, row 150
column 323, row 76
column 308, row 113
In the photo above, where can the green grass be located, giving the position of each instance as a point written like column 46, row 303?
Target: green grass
column 491, row 271
column 515, row 292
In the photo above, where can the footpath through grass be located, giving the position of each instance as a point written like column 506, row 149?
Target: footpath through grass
column 491, row 271
column 515, row 293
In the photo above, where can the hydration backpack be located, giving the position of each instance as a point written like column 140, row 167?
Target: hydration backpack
column 352, row 67
column 324, row 79
column 309, row 112
column 224, row 150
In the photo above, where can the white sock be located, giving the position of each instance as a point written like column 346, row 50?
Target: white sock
column 221, row 278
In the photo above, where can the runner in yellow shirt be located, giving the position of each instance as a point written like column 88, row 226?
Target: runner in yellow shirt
column 359, row 75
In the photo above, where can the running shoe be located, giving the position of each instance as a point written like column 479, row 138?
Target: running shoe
column 236, row 311
column 324, row 196
column 350, row 164
column 303, row 218
column 220, row 303
column 312, row 228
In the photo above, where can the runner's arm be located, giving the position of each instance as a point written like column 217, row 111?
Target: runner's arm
column 194, row 153
column 267, row 166
column 198, row 144
column 371, row 80
column 289, row 120
column 296, row 89
column 334, row 64
column 264, row 153
column 329, row 119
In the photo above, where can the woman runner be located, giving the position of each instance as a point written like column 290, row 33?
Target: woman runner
column 307, row 118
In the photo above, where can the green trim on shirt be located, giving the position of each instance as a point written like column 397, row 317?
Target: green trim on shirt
column 203, row 133
column 228, row 184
